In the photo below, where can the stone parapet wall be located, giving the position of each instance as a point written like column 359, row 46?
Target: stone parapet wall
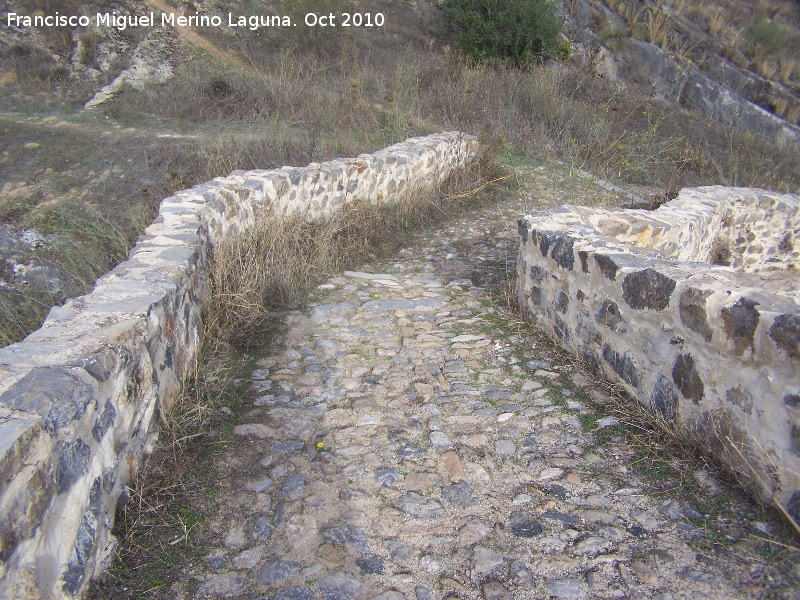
column 81, row 397
column 709, row 347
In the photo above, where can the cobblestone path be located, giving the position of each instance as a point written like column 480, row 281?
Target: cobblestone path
column 406, row 443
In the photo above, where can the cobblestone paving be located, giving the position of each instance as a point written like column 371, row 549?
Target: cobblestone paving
column 403, row 443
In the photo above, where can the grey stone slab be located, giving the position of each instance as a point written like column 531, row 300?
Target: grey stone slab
column 294, row 485
column 420, row 507
column 569, row 589
column 459, row 494
column 340, row 586
column 420, row 305
column 277, row 570
column 350, row 536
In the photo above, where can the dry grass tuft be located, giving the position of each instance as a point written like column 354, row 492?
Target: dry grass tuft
column 657, row 26
column 718, row 22
column 274, row 266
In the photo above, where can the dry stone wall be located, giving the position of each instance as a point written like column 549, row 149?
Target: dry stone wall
column 710, row 347
column 81, row 397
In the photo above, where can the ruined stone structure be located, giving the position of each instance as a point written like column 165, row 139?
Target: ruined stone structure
column 694, row 308
column 80, row 397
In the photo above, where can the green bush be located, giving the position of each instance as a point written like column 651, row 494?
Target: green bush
column 764, row 37
column 517, row 32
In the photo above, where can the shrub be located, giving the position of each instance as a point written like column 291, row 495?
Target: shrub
column 517, row 32
column 764, row 37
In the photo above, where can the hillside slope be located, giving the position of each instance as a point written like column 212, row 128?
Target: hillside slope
column 99, row 123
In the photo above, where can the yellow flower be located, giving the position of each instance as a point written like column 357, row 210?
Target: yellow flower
column 320, row 444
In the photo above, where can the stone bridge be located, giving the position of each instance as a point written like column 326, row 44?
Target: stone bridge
column 392, row 435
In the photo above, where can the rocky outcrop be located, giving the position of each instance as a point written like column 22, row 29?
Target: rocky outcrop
column 80, row 397
column 701, row 78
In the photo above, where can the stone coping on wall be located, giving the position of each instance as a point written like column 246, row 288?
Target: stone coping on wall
column 80, row 398
column 714, row 348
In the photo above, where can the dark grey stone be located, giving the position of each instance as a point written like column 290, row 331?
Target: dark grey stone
column 494, row 590
column 608, row 314
column 420, row 507
column 215, row 560
column 459, row 494
column 294, row 485
column 454, row 367
column 701, row 577
column 567, row 588
column 280, row 510
column 647, row 289
column 562, row 302
column 387, row 476
column 560, row 328
column 225, row 585
column 521, row 575
column 288, row 446
column 792, row 400
column 300, row 592
column 560, row 492
column 691, row 512
column 793, row 506
column 463, row 389
column 397, row 304
column 607, row 266
column 686, row 377
column 372, row 565
column 664, row 400
column 561, row 518
column 99, row 365
column 785, row 332
column 73, row 462
column 350, row 536
column 692, row 309
column 623, row 365
column 741, row 320
column 562, row 252
column 542, row 241
column 104, row 421
column 81, row 553
column 259, row 485
column 277, row 570
column 423, row 593
column 398, row 551
column 405, row 449
column 637, row 532
column 689, row 533
column 672, row 510
column 584, row 256
column 740, row 398
column 340, row 586
column 535, row 364
column 538, row 274
column 522, row 228
column 497, row 393
column 538, row 297
column 56, row 396
column 523, row 526
column 261, row 528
